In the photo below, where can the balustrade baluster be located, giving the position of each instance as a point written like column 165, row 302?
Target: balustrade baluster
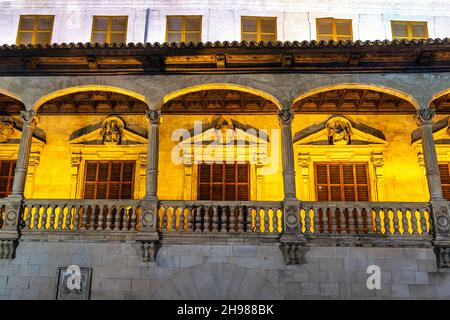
column 396, row 221
column 359, row 224
column 342, row 221
column 215, row 220
column 377, row 212
column 326, row 227
column 423, row 222
column 415, row 221
column 181, row 220
column 240, row 224
column 405, row 223
column 191, row 222
column 258, row 220
column 275, row 220
column 198, row 218
column 173, row 219
column 387, row 221
column 351, row 220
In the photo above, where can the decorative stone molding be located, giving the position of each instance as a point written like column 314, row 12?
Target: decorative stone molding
column 149, row 250
column 442, row 256
column 304, row 162
column 424, row 116
column 6, row 131
column 377, row 159
column 8, row 248
column 293, row 253
column 339, row 131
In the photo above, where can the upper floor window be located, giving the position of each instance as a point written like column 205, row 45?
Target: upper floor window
column 334, row 29
column 184, row 28
column 35, row 29
column 109, row 29
column 409, row 30
column 259, row 28
column 342, row 181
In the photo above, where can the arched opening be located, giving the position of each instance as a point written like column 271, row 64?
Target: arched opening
column 355, row 98
column 10, row 104
column 104, row 133
column 218, row 98
column 440, row 102
column 92, row 100
column 224, row 144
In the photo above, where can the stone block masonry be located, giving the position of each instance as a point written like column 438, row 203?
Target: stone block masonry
column 223, row 272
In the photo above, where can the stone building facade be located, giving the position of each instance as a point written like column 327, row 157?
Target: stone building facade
column 196, row 170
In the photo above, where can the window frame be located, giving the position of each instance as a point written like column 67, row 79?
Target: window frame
column 109, row 32
column 409, row 24
column 35, row 29
column 183, row 30
column 334, row 34
column 223, row 183
column 108, row 181
column 341, row 178
column 258, row 32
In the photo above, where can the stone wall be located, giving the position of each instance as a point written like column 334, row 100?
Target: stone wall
column 296, row 20
column 224, row 271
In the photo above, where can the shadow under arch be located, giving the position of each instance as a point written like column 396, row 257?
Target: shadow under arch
column 219, row 86
column 87, row 88
column 360, row 86
column 217, row 281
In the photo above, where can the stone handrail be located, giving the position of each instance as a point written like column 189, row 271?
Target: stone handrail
column 366, row 218
column 220, row 216
column 80, row 215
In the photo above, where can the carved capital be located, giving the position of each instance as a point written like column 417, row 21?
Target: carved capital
column 285, row 117
column 424, row 117
column 28, row 117
column 154, row 116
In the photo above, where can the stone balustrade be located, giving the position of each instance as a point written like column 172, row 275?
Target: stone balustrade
column 220, row 217
column 73, row 216
column 380, row 218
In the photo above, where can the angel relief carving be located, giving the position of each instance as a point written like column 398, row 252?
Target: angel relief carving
column 339, row 131
column 112, row 130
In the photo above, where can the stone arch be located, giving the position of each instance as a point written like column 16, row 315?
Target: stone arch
column 359, row 86
column 217, row 281
column 219, row 86
column 436, row 101
column 87, row 88
column 10, row 103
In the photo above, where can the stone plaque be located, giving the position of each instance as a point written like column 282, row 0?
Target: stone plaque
column 74, row 283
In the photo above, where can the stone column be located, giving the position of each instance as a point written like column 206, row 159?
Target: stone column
column 439, row 206
column 148, row 235
column 424, row 117
column 29, row 122
column 285, row 118
column 292, row 240
column 154, row 118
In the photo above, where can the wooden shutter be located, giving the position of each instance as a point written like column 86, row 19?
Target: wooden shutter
column 223, row 181
column 342, row 181
column 444, row 169
column 109, row 180
column 6, row 177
